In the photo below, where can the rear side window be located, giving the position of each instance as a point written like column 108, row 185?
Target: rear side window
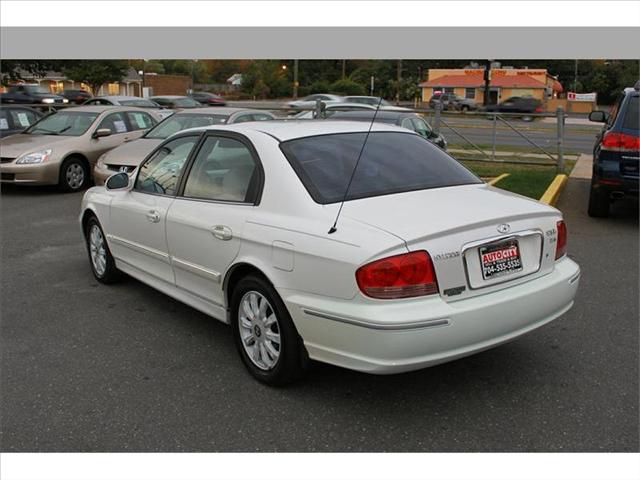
column 140, row 120
column 632, row 115
column 391, row 162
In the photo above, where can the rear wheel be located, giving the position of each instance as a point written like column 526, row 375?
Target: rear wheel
column 599, row 203
column 265, row 336
column 527, row 118
column 74, row 175
column 465, row 108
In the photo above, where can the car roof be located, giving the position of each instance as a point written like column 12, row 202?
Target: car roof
column 168, row 96
column 283, row 130
column 380, row 115
column 101, row 108
column 219, row 110
column 119, row 97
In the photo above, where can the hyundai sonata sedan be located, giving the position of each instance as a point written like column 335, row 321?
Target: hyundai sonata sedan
column 395, row 262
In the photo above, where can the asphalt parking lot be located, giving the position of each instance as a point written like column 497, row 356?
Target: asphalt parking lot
column 86, row 367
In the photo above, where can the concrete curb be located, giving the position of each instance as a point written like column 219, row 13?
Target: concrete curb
column 493, row 181
column 550, row 197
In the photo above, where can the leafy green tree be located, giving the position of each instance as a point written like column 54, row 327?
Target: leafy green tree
column 11, row 70
column 94, row 73
column 347, row 87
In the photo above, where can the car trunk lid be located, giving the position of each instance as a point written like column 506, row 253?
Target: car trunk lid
column 458, row 225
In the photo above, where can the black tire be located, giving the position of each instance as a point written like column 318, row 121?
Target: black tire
column 465, row 108
column 527, row 118
column 110, row 274
column 292, row 361
column 74, row 175
column 599, row 203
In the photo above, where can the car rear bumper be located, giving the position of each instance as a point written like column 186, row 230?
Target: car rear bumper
column 390, row 337
column 34, row 174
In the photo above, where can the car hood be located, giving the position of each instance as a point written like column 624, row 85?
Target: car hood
column 19, row 144
column 131, row 153
column 413, row 215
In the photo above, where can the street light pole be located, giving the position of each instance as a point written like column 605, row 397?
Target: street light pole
column 295, row 79
column 575, row 77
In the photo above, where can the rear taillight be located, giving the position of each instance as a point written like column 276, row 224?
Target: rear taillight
column 620, row 142
column 538, row 110
column 401, row 276
column 561, row 243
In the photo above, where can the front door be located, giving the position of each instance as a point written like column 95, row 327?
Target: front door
column 138, row 217
column 205, row 223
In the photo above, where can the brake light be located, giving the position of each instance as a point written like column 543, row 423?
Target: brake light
column 401, row 276
column 538, row 110
column 620, row 142
column 561, row 242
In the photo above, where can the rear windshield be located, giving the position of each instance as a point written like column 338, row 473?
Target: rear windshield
column 177, row 122
column 138, row 103
column 632, row 117
column 391, row 162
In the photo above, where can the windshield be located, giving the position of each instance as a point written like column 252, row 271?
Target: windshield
column 37, row 89
column 138, row 103
column 185, row 102
column 67, row 123
column 182, row 121
column 391, row 162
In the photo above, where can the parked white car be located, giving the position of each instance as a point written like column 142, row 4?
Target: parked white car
column 310, row 100
column 426, row 263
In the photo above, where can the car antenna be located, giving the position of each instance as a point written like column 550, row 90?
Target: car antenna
column 353, row 173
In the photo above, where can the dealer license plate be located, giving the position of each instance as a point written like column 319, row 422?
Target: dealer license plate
column 500, row 259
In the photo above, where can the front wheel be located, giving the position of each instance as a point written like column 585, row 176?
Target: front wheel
column 264, row 333
column 527, row 118
column 102, row 263
column 74, row 175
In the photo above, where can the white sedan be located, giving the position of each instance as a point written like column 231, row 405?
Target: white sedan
column 426, row 263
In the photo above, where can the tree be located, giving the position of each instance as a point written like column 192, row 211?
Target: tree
column 94, row 73
column 11, row 70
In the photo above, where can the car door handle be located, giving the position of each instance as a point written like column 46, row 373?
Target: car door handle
column 153, row 216
column 222, row 232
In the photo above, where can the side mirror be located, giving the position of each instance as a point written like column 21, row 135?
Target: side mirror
column 117, row 181
column 102, row 132
column 598, row 116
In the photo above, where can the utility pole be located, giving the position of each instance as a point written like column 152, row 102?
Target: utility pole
column 399, row 80
column 575, row 77
column 295, row 79
column 344, row 69
column 487, row 81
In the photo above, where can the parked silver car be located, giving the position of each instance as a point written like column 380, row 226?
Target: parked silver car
column 128, row 156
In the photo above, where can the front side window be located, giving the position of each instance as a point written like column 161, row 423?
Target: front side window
column 224, row 170
column 181, row 121
column 470, row 93
column 114, row 122
column 160, row 174
column 67, row 123
column 391, row 162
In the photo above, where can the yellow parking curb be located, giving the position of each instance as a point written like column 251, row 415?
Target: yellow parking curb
column 550, row 197
column 493, row 181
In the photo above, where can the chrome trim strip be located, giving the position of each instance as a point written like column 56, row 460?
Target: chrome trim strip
column 196, row 269
column 189, row 292
column 377, row 326
column 152, row 252
column 574, row 279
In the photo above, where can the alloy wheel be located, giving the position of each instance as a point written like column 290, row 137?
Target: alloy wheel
column 97, row 250
column 75, row 176
column 259, row 330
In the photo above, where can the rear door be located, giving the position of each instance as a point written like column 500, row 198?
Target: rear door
column 138, row 217
column 205, row 223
